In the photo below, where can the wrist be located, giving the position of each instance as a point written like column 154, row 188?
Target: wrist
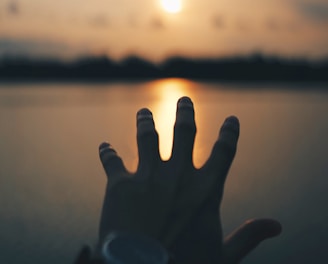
column 126, row 248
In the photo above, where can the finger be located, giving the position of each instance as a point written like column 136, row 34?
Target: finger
column 147, row 139
column 111, row 162
column 224, row 149
column 184, row 130
column 247, row 237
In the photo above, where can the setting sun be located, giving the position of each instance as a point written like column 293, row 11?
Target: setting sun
column 171, row 6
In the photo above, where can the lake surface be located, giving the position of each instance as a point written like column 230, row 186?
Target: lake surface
column 52, row 183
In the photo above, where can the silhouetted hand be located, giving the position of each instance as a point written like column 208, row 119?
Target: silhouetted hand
column 172, row 201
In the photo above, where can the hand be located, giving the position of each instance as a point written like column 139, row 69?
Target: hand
column 172, row 201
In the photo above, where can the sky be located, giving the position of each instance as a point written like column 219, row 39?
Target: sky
column 202, row 28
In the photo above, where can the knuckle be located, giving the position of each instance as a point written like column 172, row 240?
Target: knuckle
column 229, row 131
column 109, row 156
column 186, row 128
column 187, row 125
column 146, row 131
column 144, row 116
column 114, row 167
column 226, row 148
column 145, row 123
column 107, row 152
column 185, row 119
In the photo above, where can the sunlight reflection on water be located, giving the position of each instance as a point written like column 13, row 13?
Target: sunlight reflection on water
column 169, row 91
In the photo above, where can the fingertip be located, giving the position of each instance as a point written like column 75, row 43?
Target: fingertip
column 265, row 227
column 184, row 98
column 110, row 160
column 185, row 112
column 228, row 136
column 145, row 122
column 185, row 101
column 247, row 237
column 104, row 145
column 231, row 125
column 144, row 114
column 106, row 148
column 277, row 228
column 232, row 119
column 184, row 130
column 147, row 139
column 144, row 111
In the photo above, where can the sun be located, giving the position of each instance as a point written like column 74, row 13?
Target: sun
column 171, row 6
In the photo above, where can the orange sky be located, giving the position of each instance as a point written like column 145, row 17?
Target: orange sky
column 203, row 28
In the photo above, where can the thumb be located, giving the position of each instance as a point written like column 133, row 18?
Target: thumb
column 247, row 237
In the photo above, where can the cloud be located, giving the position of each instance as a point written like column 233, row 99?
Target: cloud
column 157, row 23
column 316, row 11
column 273, row 24
column 133, row 20
column 217, row 21
column 99, row 21
column 243, row 25
column 13, row 8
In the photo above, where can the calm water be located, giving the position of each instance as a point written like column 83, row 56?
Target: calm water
column 52, row 184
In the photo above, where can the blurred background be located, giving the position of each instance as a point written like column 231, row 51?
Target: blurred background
column 155, row 29
column 73, row 74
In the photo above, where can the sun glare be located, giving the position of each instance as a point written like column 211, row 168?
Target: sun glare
column 171, row 6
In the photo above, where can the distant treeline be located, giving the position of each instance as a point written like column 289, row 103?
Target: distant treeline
column 248, row 68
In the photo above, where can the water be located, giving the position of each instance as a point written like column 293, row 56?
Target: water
column 52, row 184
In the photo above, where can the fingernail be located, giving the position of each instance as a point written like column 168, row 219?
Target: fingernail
column 144, row 113
column 106, row 148
column 232, row 121
column 185, row 102
column 231, row 124
column 104, row 145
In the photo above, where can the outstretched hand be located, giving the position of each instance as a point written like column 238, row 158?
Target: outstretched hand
column 174, row 202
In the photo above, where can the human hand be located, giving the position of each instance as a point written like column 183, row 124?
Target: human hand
column 174, row 202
